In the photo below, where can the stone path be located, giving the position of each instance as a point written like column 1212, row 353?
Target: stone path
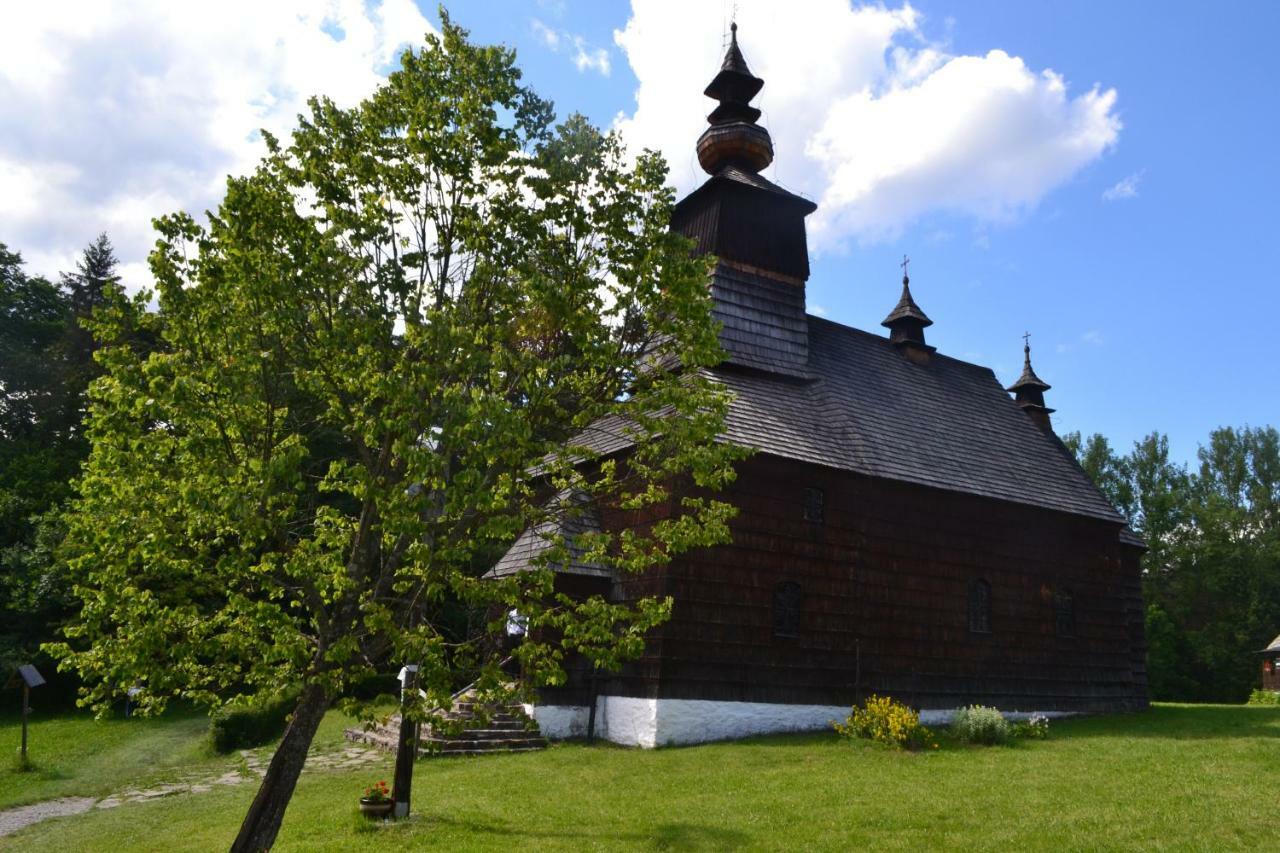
column 253, row 768
column 11, row 820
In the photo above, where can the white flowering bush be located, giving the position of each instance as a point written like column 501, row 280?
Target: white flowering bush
column 980, row 724
column 1036, row 728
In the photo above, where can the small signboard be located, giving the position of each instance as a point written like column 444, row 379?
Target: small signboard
column 30, row 675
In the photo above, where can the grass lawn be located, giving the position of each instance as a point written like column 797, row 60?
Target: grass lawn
column 75, row 755
column 1178, row 777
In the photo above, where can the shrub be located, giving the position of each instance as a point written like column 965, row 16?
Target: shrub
column 1037, row 727
column 1264, row 697
column 885, row 721
column 252, row 724
column 980, row 724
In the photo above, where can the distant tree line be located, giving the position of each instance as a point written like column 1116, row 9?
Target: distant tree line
column 47, row 344
column 1212, row 574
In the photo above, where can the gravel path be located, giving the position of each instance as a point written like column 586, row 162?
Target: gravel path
column 12, row 820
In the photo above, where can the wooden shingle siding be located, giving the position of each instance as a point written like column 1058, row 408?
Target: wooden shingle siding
column 885, row 584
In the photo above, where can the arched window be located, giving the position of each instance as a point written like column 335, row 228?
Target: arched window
column 979, row 606
column 1064, row 611
column 786, row 609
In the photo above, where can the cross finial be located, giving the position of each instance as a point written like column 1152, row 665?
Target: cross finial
column 905, row 261
column 1026, row 339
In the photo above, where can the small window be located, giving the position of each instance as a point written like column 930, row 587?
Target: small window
column 980, row 606
column 786, row 609
column 813, row 505
column 1064, row 609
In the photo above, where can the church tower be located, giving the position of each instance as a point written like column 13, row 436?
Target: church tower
column 753, row 226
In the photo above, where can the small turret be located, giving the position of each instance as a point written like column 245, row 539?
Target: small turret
column 906, row 322
column 737, row 214
column 1029, row 390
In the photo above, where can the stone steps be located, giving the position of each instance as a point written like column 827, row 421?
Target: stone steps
column 503, row 729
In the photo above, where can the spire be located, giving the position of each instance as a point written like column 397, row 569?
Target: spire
column 1029, row 390
column 734, row 138
column 907, row 322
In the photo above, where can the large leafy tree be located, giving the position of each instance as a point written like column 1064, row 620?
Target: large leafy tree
column 425, row 324
column 1212, row 573
column 36, row 459
column 45, row 369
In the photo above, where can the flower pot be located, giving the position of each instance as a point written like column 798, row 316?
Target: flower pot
column 372, row 809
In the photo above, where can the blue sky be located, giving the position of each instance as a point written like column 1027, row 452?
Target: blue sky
column 1122, row 211
column 1146, row 312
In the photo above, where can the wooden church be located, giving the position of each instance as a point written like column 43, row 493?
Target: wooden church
column 905, row 528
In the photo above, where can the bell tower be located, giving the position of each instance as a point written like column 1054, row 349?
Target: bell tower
column 753, row 226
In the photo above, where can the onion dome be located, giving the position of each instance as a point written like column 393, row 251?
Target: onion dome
column 734, row 138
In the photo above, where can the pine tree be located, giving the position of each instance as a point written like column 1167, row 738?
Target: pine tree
column 87, row 289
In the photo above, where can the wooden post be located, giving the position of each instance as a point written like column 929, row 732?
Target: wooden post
column 26, row 710
column 406, row 748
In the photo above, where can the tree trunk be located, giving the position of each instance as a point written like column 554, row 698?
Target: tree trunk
column 262, row 823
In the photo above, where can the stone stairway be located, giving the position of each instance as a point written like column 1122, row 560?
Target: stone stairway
column 504, row 728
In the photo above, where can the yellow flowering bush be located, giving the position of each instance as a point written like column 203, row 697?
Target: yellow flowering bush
column 883, row 720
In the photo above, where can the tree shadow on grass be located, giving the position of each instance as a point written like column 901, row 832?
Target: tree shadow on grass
column 665, row 836
column 1178, row 722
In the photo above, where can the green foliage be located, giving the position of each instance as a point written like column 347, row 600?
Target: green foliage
column 394, row 346
column 886, row 721
column 982, row 725
column 46, row 347
column 251, row 723
column 1264, row 697
column 1212, row 574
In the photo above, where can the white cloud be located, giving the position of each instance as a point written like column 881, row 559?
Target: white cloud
column 114, row 113
column 1125, row 188
column 585, row 57
column 876, row 123
column 549, row 37
column 593, row 59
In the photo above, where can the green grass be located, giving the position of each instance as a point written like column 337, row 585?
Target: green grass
column 75, row 755
column 1178, row 777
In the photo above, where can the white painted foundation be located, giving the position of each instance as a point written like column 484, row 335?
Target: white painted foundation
column 666, row 722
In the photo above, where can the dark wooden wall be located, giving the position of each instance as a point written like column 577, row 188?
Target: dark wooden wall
column 1271, row 680
column 885, row 581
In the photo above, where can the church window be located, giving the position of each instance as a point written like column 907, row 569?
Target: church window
column 980, row 606
column 1064, row 609
column 786, row 609
column 813, row 505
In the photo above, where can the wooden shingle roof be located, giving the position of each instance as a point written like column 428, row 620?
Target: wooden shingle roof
column 578, row 516
column 946, row 424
